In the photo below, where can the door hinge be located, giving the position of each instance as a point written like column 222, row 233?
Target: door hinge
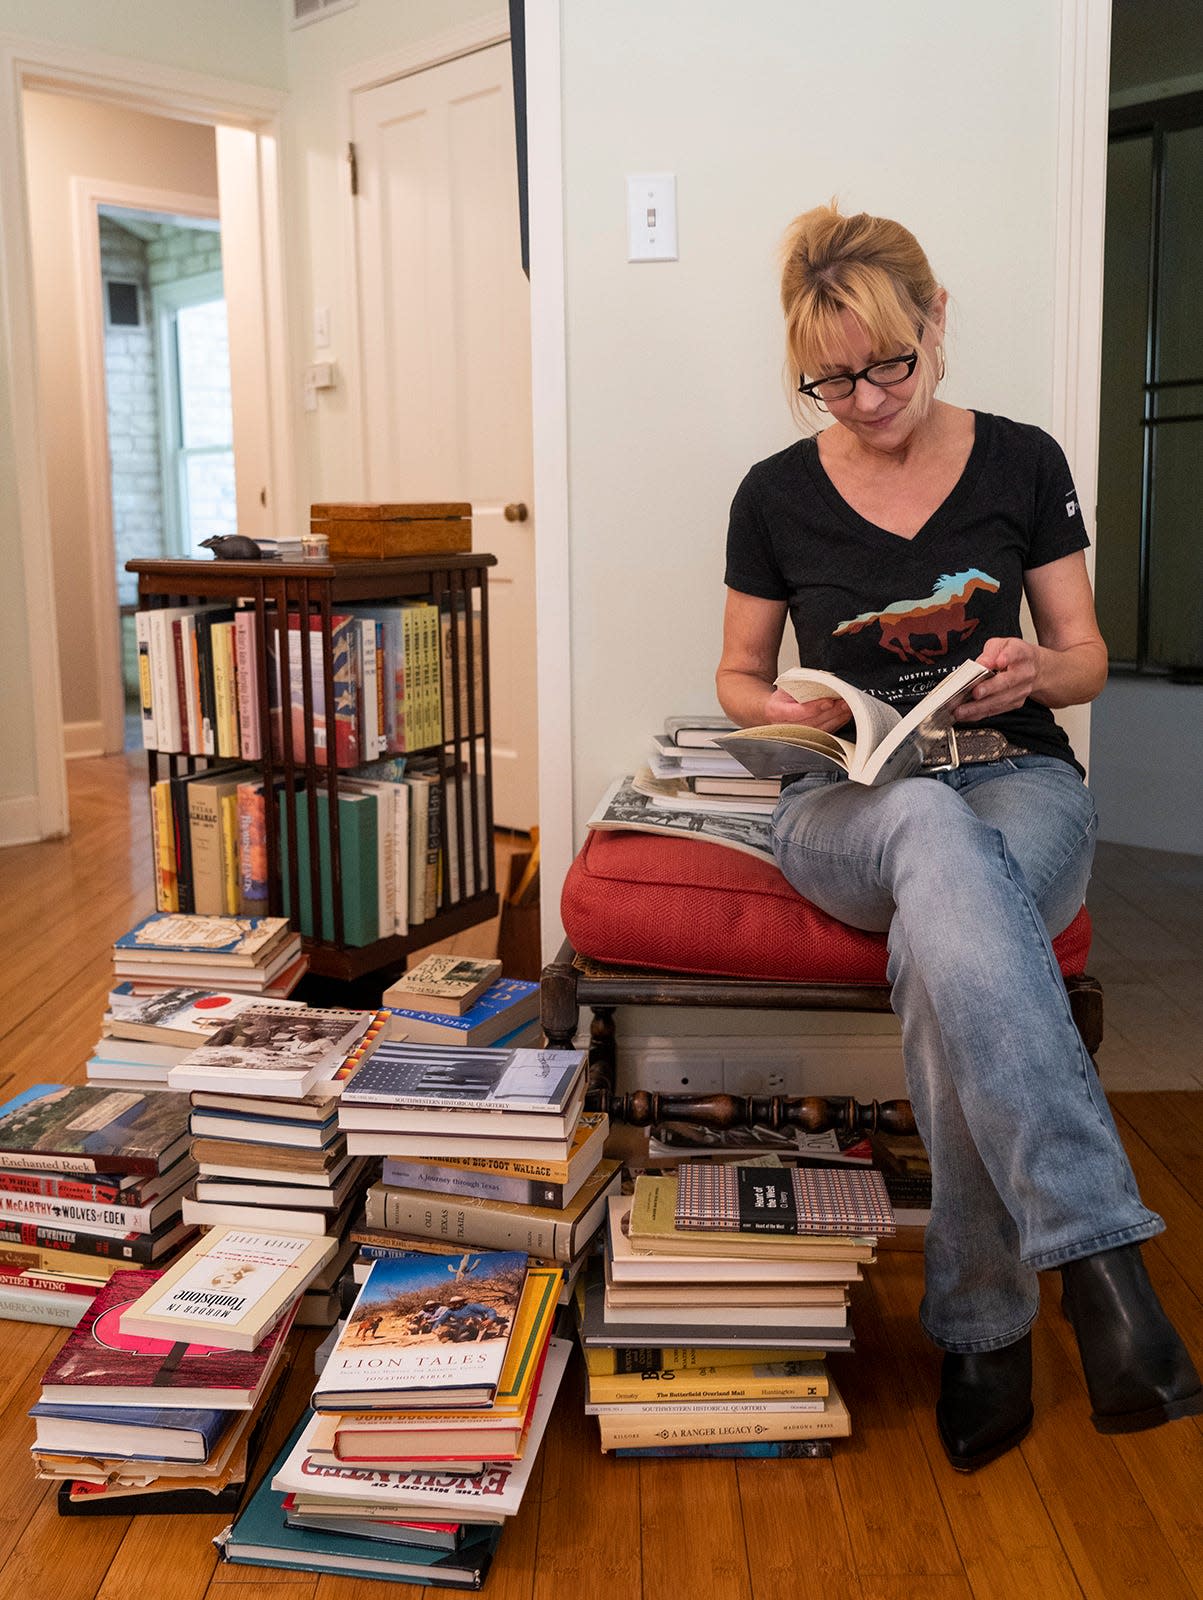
column 353, row 164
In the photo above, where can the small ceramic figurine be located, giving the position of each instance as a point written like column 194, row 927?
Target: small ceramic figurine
column 232, row 547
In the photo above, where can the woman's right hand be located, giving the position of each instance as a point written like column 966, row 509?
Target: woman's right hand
column 827, row 714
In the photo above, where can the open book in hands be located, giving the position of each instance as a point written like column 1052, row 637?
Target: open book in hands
column 887, row 744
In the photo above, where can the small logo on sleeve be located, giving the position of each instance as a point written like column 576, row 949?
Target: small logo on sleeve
column 1071, row 506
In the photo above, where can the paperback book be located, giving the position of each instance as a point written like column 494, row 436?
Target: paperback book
column 229, row 1289
column 426, row 1333
column 428, row 1077
column 444, row 984
column 269, row 1050
column 184, row 1016
column 240, row 941
column 799, row 1200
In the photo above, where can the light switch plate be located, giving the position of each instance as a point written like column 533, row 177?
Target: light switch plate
column 652, row 217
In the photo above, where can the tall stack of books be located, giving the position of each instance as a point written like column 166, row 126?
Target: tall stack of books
column 253, row 955
column 154, row 1402
column 722, row 1290
column 688, row 771
column 471, row 1137
column 144, row 1035
column 427, row 1419
column 265, row 1137
column 90, row 1180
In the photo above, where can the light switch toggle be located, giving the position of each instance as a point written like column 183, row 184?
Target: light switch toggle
column 652, row 217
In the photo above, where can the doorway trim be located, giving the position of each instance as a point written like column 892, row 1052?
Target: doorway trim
column 88, row 195
column 140, row 86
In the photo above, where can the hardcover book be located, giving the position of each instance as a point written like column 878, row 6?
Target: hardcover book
column 425, row 1333
column 56, row 1128
column 799, row 1200
column 446, row 984
column 426, row 1077
column 596, row 1328
column 653, row 1229
column 502, row 1007
column 102, row 1364
column 242, row 941
column 669, row 1427
column 229, row 1289
column 269, row 1050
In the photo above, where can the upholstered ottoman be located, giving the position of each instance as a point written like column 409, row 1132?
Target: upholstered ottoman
column 657, row 920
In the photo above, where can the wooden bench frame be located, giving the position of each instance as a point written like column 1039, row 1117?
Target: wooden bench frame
column 572, row 981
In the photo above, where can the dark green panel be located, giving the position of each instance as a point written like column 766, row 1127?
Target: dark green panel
column 1176, row 548
column 1180, row 271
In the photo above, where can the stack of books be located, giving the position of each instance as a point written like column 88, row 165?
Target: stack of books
column 144, row 1035
column 265, row 1137
column 462, row 1001
column 723, row 1288
column 90, row 1180
column 253, row 955
column 427, row 1419
column 154, row 1402
column 688, row 771
column 486, row 1147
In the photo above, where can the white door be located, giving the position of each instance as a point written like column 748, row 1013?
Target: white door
column 444, row 315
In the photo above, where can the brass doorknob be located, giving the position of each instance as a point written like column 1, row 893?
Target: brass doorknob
column 516, row 512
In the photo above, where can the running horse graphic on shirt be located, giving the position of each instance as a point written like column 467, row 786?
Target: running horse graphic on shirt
column 923, row 630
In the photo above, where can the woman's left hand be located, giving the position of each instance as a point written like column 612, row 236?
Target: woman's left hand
column 1016, row 667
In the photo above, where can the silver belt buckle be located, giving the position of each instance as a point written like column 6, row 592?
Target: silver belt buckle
column 954, row 760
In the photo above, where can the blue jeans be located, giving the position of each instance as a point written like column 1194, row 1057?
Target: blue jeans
column 970, row 872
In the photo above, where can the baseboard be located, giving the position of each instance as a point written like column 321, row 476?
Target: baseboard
column 83, row 739
column 20, row 820
column 866, row 1066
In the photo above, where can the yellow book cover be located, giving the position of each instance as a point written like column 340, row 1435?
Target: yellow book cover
column 770, row 1380
column 608, row 1360
column 167, row 895
column 229, row 850
column 676, row 1427
column 653, row 1229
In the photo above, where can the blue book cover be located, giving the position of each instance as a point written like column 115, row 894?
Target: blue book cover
column 207, row 1426
column 492, row 1012
column 168, row 931
column 430, row 1076
column 260, row 1537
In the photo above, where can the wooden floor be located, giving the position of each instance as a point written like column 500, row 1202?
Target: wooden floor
column 1071, row 1513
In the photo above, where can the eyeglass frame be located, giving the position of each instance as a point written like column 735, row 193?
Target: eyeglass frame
column 808, row 389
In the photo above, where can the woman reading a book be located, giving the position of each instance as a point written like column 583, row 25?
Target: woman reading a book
column 900, row 541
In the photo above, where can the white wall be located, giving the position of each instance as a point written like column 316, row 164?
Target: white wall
column 68, row 138
column 941, row 115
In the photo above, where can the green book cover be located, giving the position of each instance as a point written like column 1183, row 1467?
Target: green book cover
column 358, row 848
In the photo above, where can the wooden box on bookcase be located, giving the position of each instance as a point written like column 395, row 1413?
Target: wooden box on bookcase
column 290, row 674
column 369, row 532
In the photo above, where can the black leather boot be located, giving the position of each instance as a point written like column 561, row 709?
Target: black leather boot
column 1137, row 1369
column 985, row 1404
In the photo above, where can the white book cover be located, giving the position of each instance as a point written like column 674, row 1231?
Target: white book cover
column 269, row 1049
column 497, row 1492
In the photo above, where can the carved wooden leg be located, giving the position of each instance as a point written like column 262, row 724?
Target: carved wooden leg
column 559, row 1009
column 812, row 1113
column 603, row 1058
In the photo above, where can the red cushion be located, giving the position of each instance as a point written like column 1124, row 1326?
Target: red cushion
column 684, row 905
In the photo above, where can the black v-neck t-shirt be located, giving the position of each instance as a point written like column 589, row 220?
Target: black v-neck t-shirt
column 894, row 615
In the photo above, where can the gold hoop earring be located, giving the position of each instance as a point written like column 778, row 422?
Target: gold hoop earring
column 940, row 374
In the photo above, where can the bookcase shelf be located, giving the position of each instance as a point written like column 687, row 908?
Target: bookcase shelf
column 296, row 770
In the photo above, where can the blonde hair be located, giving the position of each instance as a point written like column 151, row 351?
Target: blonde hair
column 869, row 266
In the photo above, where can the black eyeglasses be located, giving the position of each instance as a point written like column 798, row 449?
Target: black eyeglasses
column 882, row 374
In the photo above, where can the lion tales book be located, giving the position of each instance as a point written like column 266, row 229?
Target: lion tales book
column 427, row 1332
column 887, row 744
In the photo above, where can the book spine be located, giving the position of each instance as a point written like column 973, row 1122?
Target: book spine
column 475, row 1185
column 61, row 1310
column 37, row 1258
column 62, row 1187
column 225, row 704
column 181, row 684
column 206, row 687
column 369, row 701
column 252, row 850
column 228, row 801
column 246, row 685
column 418, row 804
column 662, row 1387
column 401, row 856
column 135, row 1249
column 62, row 1213
column 764, row 1450
column 204, row 832
column 434, row 711
column 146, row 696
column 20, row 1280
column 493, row 1228
column 163, row 691
column 611, row 1360
column 348, row 679
column 663, row 1429
column 434, row 849
column 557, row 1172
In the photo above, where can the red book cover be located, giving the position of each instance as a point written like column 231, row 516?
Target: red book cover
column 100, row 1364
